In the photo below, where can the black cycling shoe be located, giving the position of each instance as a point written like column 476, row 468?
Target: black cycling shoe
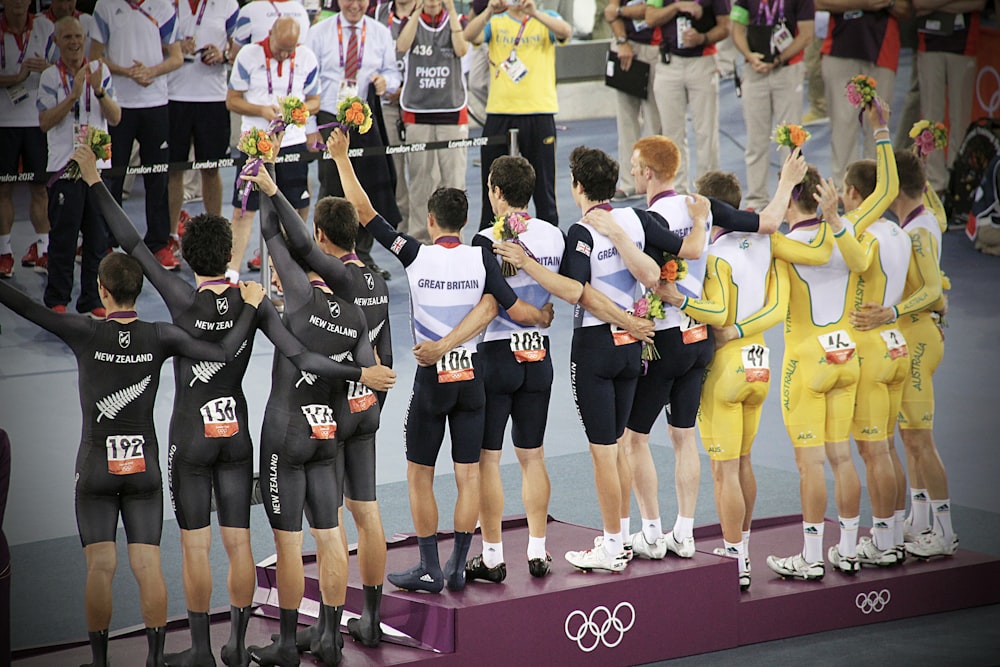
column 539, row 567
column 477, row 569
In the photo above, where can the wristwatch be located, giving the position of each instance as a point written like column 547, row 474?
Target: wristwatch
column 620, row 40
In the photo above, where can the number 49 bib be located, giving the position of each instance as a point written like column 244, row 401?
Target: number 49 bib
column 756, row 363
column 125, row 455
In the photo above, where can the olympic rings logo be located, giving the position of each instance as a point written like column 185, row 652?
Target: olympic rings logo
column 993, row 104
column 872, row 602
column 606, row 626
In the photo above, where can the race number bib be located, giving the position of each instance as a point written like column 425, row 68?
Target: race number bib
column 691, row 331
column 683, row 23
column 514, row 68
column 359, row 397
column 894, row 343
column 781, row 38
column 125, row 455
column 527, row 346
column 620, row 336
column 756, row 363
column 838, row 346
column 219, row 416
column 321, row 421
column 455, row 366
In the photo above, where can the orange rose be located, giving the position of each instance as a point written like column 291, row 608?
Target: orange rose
column 299, row 115
column 356, row 106
column 797, row 134
column 264, row 146
column 669, row 271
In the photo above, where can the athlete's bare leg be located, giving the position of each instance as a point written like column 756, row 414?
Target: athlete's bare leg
column 729, row 499
column 644, row 478
column 196, row 568
column 290, row 575
column 605, row 459
column 846, row 483
column 924, row 454
column 687, row 469
column 812, row 482
column 535, row 488
column 145, row 562
column 423, row 506
column 880, row 475
column 748, row 484
column 467, row 504
column 371, row 540
column 491, row 495
column 242, row 579
column 102, row 560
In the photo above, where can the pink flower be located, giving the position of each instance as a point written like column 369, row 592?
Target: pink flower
column 641, row 308
column 853, row 96
column 517, row 225
column 925, row 142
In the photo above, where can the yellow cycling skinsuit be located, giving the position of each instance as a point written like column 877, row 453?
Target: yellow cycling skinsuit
column 820, row 370
column 746, row 285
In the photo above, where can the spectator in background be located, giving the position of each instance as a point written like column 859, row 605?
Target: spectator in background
column 635, row 40
column 771, row 36
column 137, row 43
column 23, row 42
column 434, row 102
column 816, row 113
column 61, row 8
column 863, row 38
column 263, row 73
column 197, row 93
column 73, row 95
column 522, row 94
column 686, row 76
column 394, row 15
column 946, row 68
column 357, row 56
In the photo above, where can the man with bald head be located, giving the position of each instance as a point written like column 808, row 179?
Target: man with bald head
column 263, row 73
column 73, row 94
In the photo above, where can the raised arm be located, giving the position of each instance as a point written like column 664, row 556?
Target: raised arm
column 843, row 232
column 338, row 143
column 816, row 253
column 887, row 180
column 66, row 326
column 792, row 172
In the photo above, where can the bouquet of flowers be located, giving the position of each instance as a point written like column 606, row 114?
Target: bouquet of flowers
column 257, row 144
column 98, row 140
column 673, row 268
column 927, row 136
column 353, row 113
column 293, row 112
column 791, row 136
column 508, row 228
column 861, row 90
column 649, row 307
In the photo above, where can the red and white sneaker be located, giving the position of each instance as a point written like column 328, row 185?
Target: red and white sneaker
column 6, row 265
column 174, row 246
column 30, row 257
column 166, row 259
column 254, row 263
column 58, row 308
column 99, row 313
column 42, row 264
column 181, row 219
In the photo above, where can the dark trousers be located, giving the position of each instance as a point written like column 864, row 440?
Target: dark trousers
column 150, row 127
column 72, row 211
column 536, row 141
column 374, row 176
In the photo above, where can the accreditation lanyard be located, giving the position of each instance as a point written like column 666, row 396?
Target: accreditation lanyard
column 520, row 33
column 201, row 12
column 291, row 73
column 275, row 7
column 64, row 75
column 361, row 42
column 22, row 38
column 138, row 7
column 770, row 12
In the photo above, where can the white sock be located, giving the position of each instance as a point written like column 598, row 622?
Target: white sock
column 882, row 532
column 612, row 543
column 43, row 243
column 735, row 550
column 492, row 553
column 897, row 532
column 652, row 530
column 746, row 543
column 5, row 248
column 848, row 545
column 536, row 547
column 920, row 511
column 626, row 523
column 942, row 518
column 683, row 527
column 175, row 237
column 812, row 550
column 233, row 277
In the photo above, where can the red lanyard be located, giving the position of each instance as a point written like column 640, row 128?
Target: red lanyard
column 193, row 4
column 520, row 33
column 21, row 39
column 361, row 43
column 64, row 75
column 137, row 7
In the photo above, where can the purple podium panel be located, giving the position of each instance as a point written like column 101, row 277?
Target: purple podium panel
column 775, row 608
column 567, row 617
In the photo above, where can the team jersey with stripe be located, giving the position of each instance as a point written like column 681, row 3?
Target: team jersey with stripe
column 547, row 244
column 254, row 20
column 206, row 24
column 52, row 90
column 924, row 280
column 673, row 208
column 24, row 113
column 139, row 31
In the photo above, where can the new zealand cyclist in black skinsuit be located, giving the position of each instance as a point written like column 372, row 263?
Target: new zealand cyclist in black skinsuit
column 299, row 439
column 330, row 253
column 210, row 441
column 117, row 467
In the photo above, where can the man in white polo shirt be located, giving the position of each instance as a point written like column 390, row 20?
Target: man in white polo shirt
column 263, row 73
column 254, row 20
column 197, row 93
column 136, row 41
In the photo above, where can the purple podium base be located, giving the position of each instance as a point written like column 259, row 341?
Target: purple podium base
column 655, row 610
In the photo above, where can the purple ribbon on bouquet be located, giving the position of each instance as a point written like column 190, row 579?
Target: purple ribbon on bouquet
column 319, row 145
column 56, row 176
column 277, row 126
column 251, row 168
column 878, row 108
column 525, row 248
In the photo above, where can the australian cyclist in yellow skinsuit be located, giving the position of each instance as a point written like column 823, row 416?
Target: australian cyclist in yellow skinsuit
column 917, row 317
column 820, row 370
column 745, row 293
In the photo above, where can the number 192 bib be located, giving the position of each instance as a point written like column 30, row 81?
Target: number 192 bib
column 125, row 455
